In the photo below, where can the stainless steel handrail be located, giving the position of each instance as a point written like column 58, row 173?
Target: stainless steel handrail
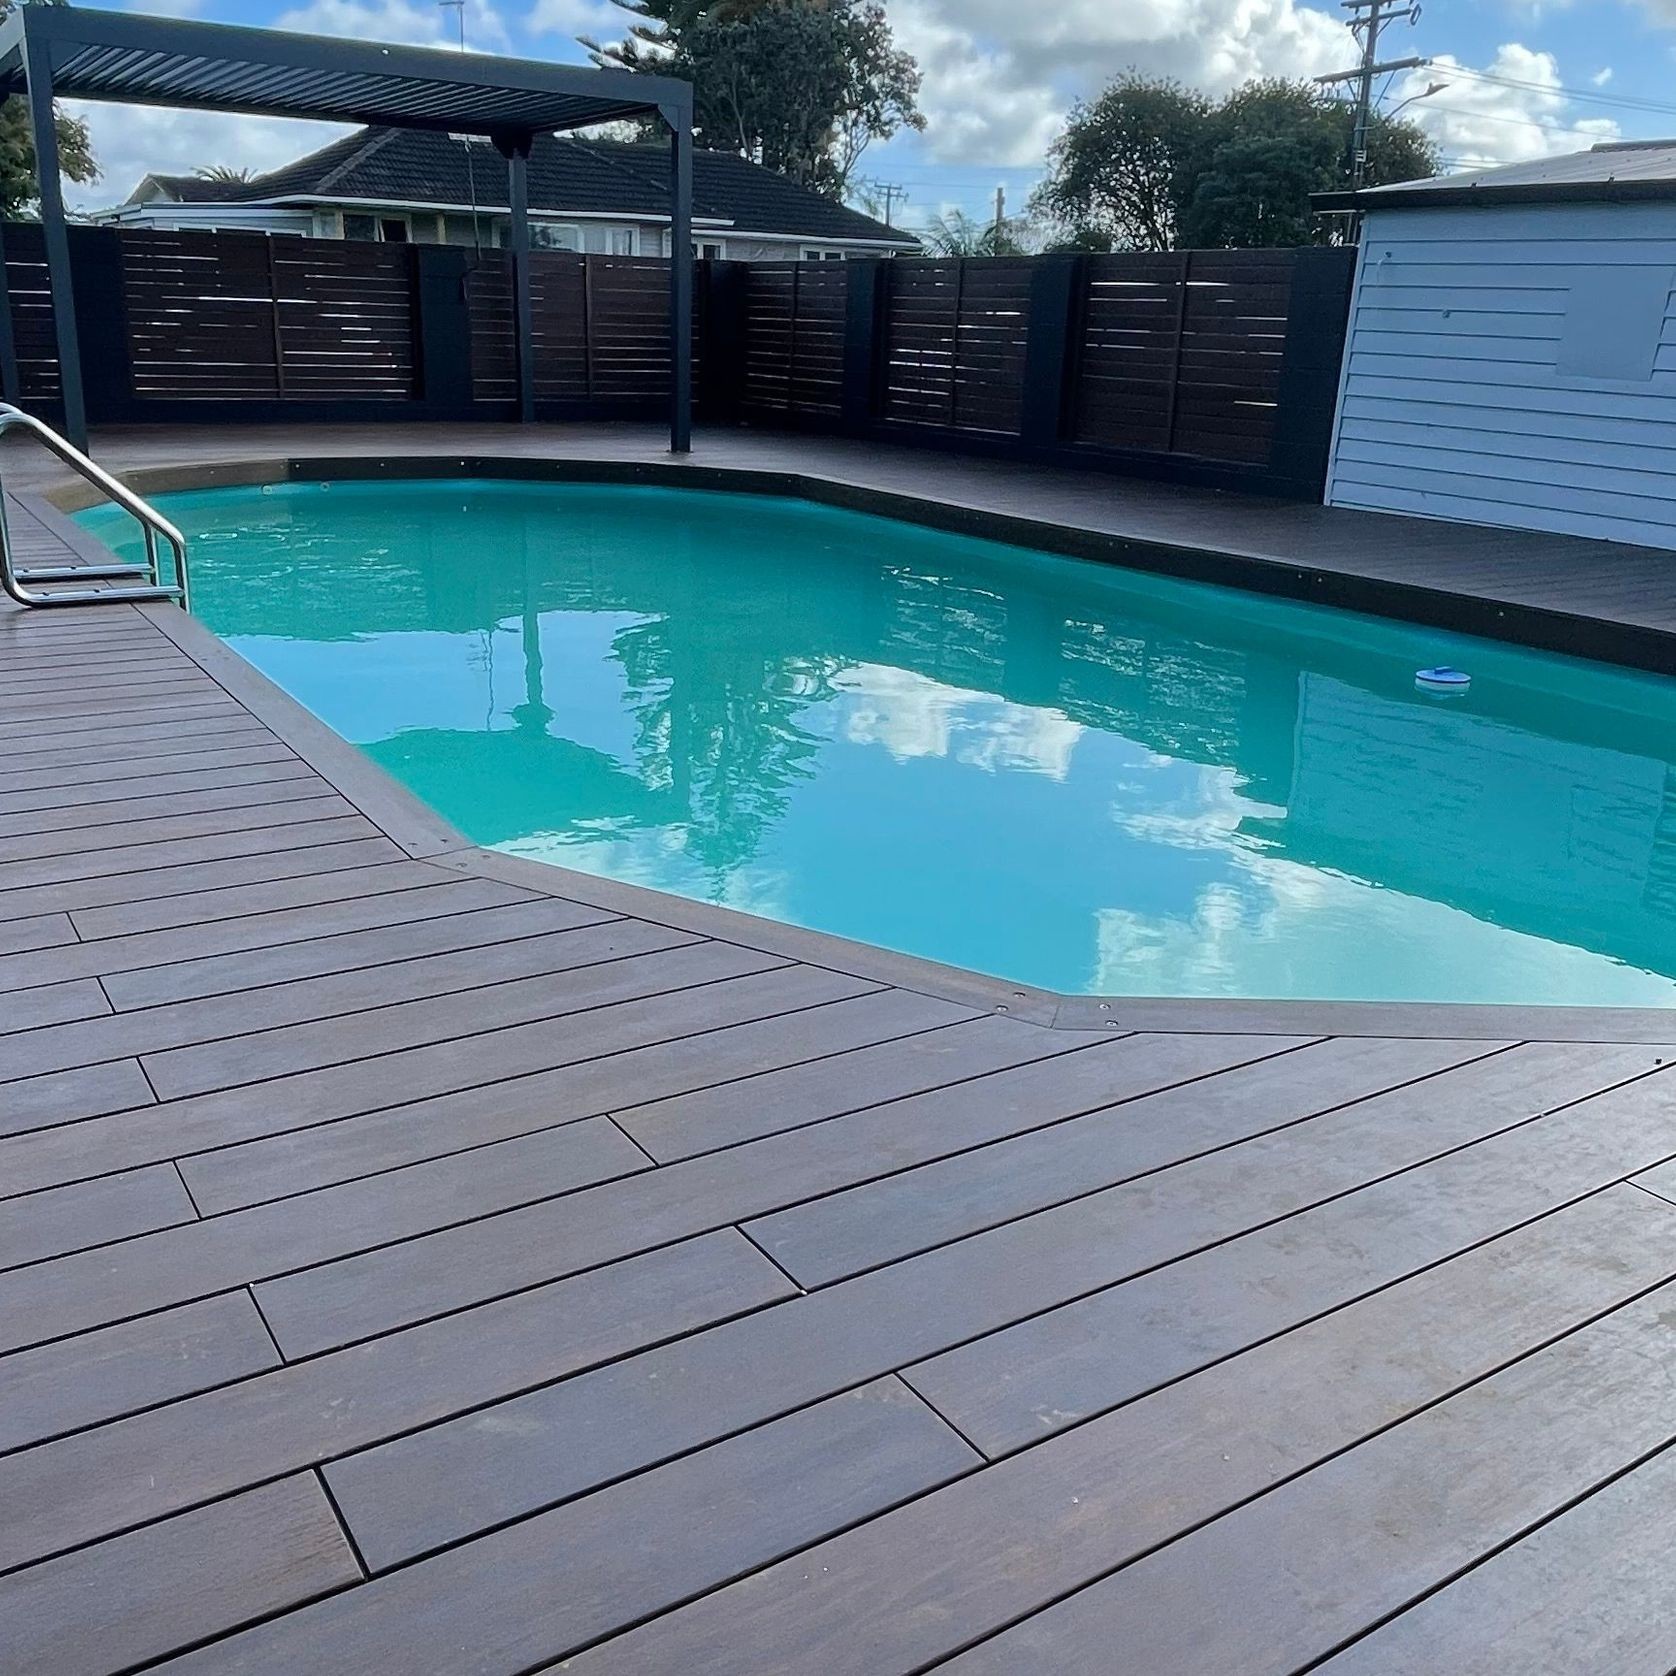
column 151, row 521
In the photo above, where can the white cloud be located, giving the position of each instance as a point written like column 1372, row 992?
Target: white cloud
column 409, row 22
column 1601, row 77
column 1479, row 123
column 999, row 76
column 598, row 19
column 131, row 141
column 912, row 716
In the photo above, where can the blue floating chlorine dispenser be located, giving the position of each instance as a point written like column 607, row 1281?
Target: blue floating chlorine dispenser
column 1442, row 680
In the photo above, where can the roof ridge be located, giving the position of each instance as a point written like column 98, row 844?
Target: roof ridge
column 375, row 141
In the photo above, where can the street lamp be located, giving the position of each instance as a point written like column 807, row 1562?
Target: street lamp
column 1436, row 87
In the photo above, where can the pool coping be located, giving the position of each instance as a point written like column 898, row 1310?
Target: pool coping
column 421, row 832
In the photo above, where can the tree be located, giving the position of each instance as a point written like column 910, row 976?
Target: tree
column 20, row 187
column 225, row 174
column 954, row 233
column 1152, row 166
column 1114, row 175
column 801, row 86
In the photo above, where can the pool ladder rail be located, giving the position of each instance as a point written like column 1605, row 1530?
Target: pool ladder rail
column 144, row 582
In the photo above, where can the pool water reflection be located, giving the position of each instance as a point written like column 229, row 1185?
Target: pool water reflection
column 1059, row 772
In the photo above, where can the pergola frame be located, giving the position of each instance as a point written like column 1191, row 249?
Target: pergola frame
column 47, row 52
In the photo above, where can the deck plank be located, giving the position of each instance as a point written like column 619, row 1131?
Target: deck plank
column 383, row 1289
column 69, row 1096
column 110, row 1478
column 1588, row 1592
column 175, row 963
column 847, row 1079
column 477, row 1475
column 39, row 931
column 127, row 874
column 115, row 1207
column 224, row 1039
column 280, row 785
column 299, row 1160
column 1451, row 1484
column 689, row 1034
column 573, row 972
column 314, row 802
column 540, row 1589
column 197, row 1258
column 967, row 1561
column 349, row 885
column 90, row 1378
column 142, row 1596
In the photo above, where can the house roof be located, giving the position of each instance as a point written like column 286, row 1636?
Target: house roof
column 1614, row 171
column 192, row 189
column 566, row 176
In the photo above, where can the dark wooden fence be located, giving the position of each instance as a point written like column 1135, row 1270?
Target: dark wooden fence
column 1211, row 367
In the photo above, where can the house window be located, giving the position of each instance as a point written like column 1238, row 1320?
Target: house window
column 554, row 235
column 392, row 229
column 709, row 250
column 818, row 253
column 362, row 227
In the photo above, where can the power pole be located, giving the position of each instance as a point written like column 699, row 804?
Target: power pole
column 890, row 195
column 1372, row 17
column 1000, row 216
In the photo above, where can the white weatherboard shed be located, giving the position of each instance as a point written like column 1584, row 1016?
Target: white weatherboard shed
column 1511, row 354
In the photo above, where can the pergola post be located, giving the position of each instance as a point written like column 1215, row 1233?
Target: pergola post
column 515, row 148
column 678, row 119
column 11, row 387
column 37, row 71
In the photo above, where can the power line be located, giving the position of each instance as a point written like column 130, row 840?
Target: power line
column 1375, row 14
column 889, row 193
column 1591, row 96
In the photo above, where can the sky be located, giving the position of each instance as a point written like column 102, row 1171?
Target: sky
column 1522, row 78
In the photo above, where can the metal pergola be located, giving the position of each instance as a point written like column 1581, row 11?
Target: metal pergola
column 49, row 51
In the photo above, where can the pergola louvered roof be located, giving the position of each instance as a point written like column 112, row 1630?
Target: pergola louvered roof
column 130, row 59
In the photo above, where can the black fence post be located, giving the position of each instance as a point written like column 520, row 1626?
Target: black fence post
column 1317, row 314
column 442, row 329
column 107, row 371
column 864, row 303
column 1055, row 292
column 724, row 288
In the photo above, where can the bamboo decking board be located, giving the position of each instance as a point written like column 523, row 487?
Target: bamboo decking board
column 416, row 1260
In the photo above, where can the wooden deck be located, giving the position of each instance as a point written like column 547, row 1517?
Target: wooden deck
column 418, row 1261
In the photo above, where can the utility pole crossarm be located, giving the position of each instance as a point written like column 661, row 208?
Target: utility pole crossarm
column 1375, row 69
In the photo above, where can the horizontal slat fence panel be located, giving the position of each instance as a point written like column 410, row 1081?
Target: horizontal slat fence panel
column 346, row 318
column 31, row 298
column 795, row 316
column 600, row 325
column 201, row 315
column 1182, row 353
column 955, row 340
column 1215, row 367
column 227, row 315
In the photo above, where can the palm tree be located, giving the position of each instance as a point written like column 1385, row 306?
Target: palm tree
column 225, row 172
column 954, row 233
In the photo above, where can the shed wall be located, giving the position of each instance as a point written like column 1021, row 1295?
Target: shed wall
column 1514, row 366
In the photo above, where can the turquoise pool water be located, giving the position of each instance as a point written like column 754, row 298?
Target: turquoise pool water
column 1059, row 772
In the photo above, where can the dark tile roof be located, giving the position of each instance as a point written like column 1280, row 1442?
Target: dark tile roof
column 194, row 189
column 412, row 165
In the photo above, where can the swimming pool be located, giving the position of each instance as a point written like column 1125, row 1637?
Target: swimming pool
column 1055, row 771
